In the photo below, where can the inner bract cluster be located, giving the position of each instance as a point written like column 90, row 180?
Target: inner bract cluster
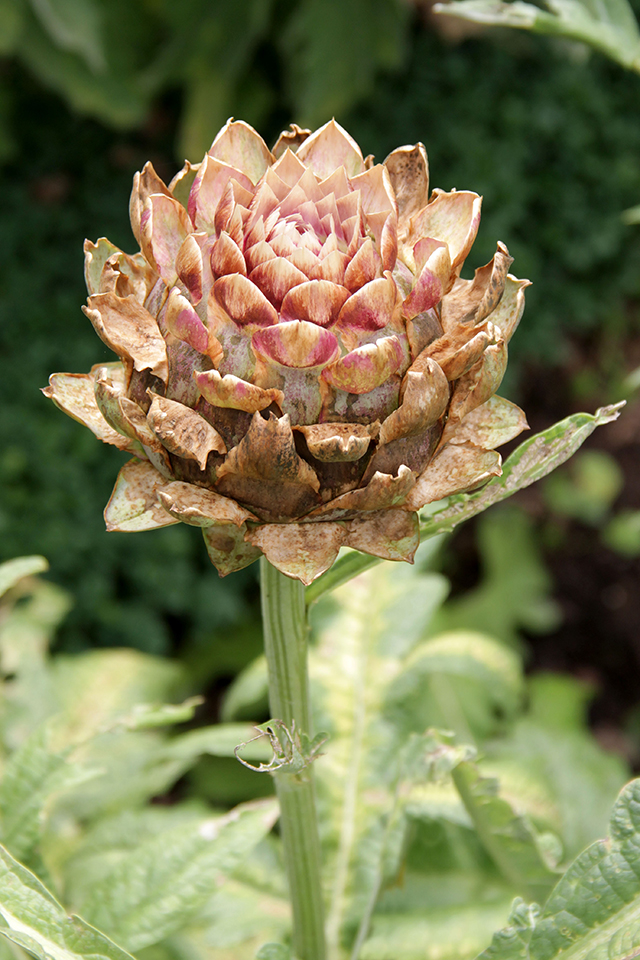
column 300, row 365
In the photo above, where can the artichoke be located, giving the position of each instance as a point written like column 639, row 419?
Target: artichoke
column 301, row 365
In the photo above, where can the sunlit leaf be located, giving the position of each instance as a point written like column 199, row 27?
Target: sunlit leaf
column 364, row 632
column 433, row 934
column 514, row 592
column 247, row 695
column 508, row 836
column 551, row 761
column 220, row 740
column 37, row 922
column 459, row 681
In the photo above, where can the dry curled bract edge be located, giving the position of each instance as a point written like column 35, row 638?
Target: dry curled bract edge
column 300, row 366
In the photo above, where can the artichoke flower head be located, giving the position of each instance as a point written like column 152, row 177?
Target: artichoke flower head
column 301, row 366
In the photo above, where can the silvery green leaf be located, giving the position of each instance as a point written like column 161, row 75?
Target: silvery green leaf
column 593, row 910
column 434, row 934
column 273, row 951
column 39, row 924
column 157, row 888
column 453, row 680
column 102, row 687
column 364, row 631
column 247, row 910
column 552, row 762
column 531, row 461
column 33, row 776
column 26, row 632
column 508, row 836
column 220, row 740
column 102, row 846
column 247, row 693
column 631, row 215
column 148, row 716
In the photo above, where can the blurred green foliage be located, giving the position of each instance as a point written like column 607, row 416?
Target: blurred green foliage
column 109, row 59
column 89, row 90
column 424, row 841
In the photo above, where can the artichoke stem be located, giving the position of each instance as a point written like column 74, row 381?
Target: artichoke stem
column 285, row 641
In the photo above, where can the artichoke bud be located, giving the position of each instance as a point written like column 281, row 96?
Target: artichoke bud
column 301, row 365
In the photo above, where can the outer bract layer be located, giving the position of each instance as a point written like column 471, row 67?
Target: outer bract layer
column 300, row 365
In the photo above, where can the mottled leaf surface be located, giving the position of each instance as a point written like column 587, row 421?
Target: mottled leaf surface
column 594, row 911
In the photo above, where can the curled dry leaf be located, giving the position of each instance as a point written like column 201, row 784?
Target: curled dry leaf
column 300, row 362
column 134, row 503
column 74, row 393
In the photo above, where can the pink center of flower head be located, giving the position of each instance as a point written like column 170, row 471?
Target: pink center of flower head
column 298, row 241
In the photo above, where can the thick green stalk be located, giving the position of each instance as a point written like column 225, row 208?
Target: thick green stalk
column 285, row 641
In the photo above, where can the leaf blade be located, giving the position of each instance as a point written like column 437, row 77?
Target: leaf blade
column 155, row 890
column 34, row 916
column 531, row 461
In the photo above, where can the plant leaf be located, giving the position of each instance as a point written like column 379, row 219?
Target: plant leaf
column 220, row 740
column 248, row 693
column 364, row 632
column 512, row 941
column 552, row 748
column 333, row 50
column 33, row 775
column 38, row 923
column 74, row 25
column 148, row 716
column 507, row 836
column 12, row 571
column 531, row 461
column 155, row 890
column 432, row 934
column 515, row 589
column 608, row 26
column 593, row 911
column 11, row 23
column 443, row 679
column 114, row 98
